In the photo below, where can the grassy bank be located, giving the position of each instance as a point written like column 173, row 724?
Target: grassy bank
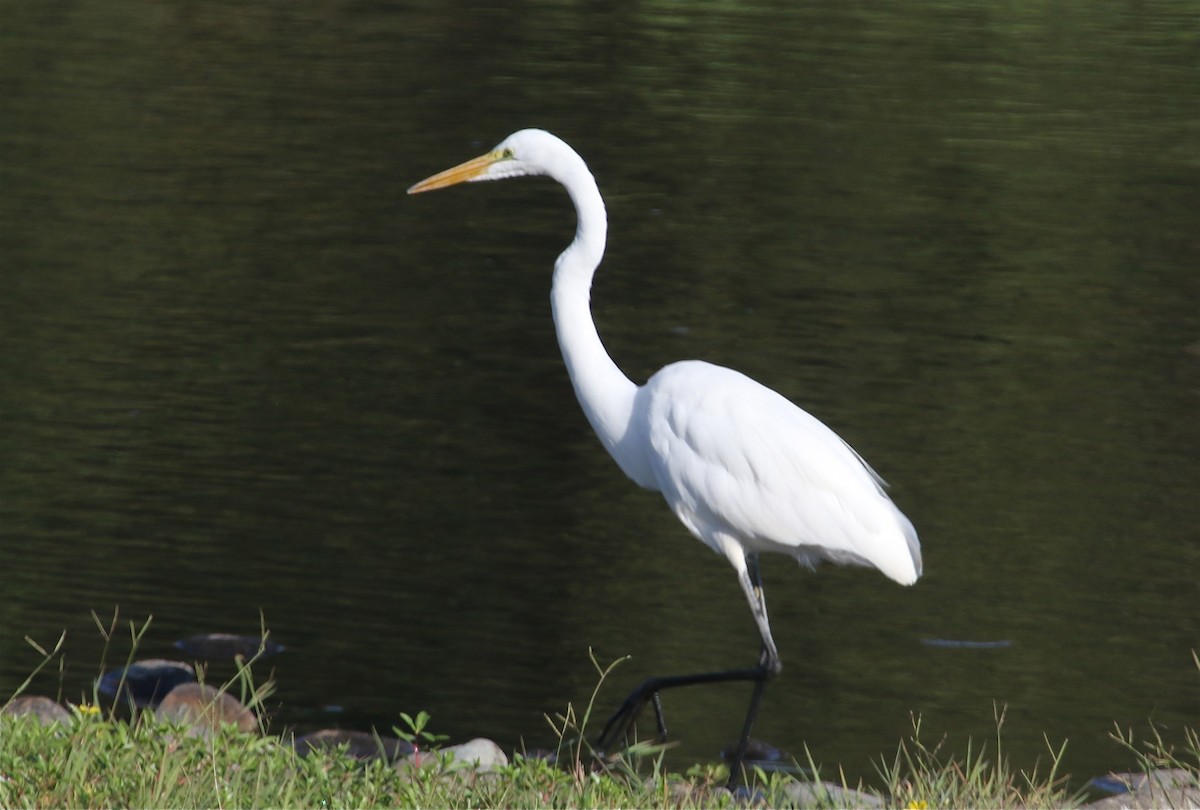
column 90, row 758
column 102, row 763
column 97, row 762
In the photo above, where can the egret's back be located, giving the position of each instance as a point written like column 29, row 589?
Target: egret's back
column 735, row 459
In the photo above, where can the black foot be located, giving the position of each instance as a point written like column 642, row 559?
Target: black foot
column 617, row 729
column 736, row 776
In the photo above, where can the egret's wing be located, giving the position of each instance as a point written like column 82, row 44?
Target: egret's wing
column 734, row 457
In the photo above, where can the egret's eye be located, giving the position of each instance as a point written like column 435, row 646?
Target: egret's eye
column 506, row 153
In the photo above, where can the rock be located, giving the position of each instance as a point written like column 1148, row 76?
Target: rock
column 205, row 709
column 760, row 754
column 756, row 751
column 545, row 754
column 829, row 794
column 798, row 795
column 44, row 709
column 479, row 755
column 685, row 793
column 1168, row 787
column 210, row 646
column 145, row 682
column 357, row 744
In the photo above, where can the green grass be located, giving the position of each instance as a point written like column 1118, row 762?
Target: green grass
column 97, row 761
column 102, row 763
column 927, row 776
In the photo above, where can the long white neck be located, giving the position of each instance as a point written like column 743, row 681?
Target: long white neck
column 604, row 392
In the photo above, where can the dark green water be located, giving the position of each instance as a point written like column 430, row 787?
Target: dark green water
column 241, row 371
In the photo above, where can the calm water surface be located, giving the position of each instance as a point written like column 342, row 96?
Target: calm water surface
column 243, row 374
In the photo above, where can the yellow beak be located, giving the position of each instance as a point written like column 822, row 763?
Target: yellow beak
column 461, row 173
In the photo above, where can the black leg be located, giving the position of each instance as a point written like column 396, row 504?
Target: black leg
column 768, row 665
column 618, row 726
column 616, row 730
column 735, row 766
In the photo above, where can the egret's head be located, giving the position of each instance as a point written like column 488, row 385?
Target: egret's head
column 527, row 152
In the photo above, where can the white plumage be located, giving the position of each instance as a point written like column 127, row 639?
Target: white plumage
column 744, row 469
column 735, row 459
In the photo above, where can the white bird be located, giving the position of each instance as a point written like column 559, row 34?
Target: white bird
column 744, row 469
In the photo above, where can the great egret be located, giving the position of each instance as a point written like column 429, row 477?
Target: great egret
column 744, row 469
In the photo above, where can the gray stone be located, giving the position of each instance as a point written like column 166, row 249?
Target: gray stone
column 355, row 744
column 44, row 709
column 828, row 794
column 1170, row 787
column 214, row 646
column 145, row 682
column 204, row 710
column 479, row 755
